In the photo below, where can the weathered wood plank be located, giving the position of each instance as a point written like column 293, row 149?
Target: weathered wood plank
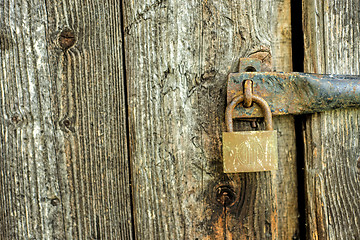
column 63, row 151
column 331, row 30
column 178, row 54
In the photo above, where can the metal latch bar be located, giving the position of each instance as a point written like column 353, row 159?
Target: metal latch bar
column 295, row 93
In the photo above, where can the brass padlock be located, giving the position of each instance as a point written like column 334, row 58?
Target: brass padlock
column 249, row 151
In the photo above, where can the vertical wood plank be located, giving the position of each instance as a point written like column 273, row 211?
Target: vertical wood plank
column 63, row 151
column 178, row 55
column 331, row 32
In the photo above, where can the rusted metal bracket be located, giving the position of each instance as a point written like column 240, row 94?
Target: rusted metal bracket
column 292, row 93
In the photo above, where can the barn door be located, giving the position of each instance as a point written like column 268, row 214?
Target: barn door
column 112, row 114
column 178, row 56
column 64, row 168
column 332, row 139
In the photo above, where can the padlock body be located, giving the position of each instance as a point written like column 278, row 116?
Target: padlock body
column 250, row 151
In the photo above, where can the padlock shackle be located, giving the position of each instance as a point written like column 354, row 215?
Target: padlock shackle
column 256, row 99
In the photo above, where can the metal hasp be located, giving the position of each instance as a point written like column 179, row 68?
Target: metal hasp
column 293, row 93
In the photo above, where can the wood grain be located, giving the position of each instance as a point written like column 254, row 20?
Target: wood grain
column 332, row 138
column 63, row 149
column 178, row 54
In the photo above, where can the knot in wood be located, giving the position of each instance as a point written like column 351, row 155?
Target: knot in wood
column 225, row 195
column 67, row 39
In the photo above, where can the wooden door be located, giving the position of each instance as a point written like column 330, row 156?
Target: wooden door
column 178, row 56
column 332, row 139
column 111, row 114
column 64, row 168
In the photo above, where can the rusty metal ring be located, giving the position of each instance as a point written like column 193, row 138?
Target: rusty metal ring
column 256, row 99
column 248, row 89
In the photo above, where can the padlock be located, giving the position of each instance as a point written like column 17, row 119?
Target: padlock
column 249, row 151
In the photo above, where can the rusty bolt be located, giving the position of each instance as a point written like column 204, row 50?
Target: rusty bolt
column 67, row 39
